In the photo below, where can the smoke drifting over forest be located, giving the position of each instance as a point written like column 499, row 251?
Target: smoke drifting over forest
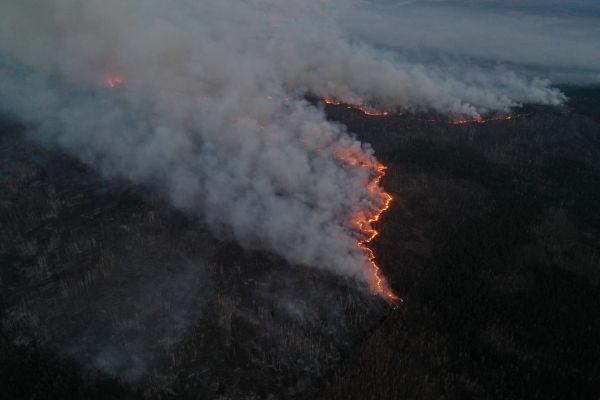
column 205, row 102
column 555, row 38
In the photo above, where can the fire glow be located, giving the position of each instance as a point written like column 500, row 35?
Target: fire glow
column 365, row 224
column 365, row 109
column 374, row 112
column 482, row 120
column 113, row 81
column 365, row 219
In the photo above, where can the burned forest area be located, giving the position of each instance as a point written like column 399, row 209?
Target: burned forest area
column 492, row 241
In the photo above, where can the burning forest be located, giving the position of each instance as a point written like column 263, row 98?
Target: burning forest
column 261, row 200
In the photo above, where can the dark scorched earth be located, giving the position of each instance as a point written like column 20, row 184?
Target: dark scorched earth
column 493, row 241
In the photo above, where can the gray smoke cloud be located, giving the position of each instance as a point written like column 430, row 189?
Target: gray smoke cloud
column 208, row 107
column 559, row 39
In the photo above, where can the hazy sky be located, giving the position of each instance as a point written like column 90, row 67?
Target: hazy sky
column 558, row 39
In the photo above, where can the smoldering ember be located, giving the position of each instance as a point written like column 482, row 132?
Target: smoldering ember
column 284, row 199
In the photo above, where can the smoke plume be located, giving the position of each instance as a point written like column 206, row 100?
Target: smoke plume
column 204, row 101
column 559, row 39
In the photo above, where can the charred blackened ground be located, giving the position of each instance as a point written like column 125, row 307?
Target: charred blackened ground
column 104, row 282
column 493, row 241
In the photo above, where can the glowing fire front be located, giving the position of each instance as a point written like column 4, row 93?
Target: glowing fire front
column 365, row 224
column 482, row 120
column 374, row 112
column 113, row 80
column 363, row 219
column 365, row 109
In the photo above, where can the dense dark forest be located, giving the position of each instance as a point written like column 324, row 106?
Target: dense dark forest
column 492, row 240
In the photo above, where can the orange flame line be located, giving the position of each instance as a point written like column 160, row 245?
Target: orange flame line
column 482, row 120
column 365, row 226
column 364, row 223
column 364, row 220
column 371, row 111
column 365, row 109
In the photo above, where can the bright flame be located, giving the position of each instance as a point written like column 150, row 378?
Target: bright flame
column 371, row 111
column 365, row 109
column 482, row 120
column 113, row 81
column 365, row 219
column 365, row 224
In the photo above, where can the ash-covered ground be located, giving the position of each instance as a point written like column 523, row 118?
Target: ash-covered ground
column 493, row 241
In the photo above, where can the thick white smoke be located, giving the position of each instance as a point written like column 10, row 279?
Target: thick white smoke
column 211, row 109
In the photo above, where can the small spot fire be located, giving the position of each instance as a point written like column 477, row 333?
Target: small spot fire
column 113, row 80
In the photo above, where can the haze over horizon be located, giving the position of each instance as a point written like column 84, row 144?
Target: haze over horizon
column 556, row 39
